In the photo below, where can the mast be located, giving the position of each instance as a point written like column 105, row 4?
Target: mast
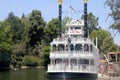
column 85, row 19
column 60, row 17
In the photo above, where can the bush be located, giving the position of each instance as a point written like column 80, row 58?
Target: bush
column 4, row 60
column 31, row 61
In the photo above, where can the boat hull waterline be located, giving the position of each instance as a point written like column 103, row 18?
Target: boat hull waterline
column 71, row 76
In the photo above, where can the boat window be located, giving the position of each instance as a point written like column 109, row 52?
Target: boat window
column 92, row 62
column 57, row 61
column 84, row 61
column 91, row 48
column 71, row 47
column 86, row 47
column 78, row 27
column 65, row 61
column 61, row 47
column 78, row 47
column 54, row 48
column 66, row 47
column 73, row 61
column 52, row 61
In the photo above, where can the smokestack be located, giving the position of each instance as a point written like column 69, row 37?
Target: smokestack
column 85, row 19
column 60, row 17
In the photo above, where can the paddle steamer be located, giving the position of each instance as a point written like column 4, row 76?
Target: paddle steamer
column 73, row 55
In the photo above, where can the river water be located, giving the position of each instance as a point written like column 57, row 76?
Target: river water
column 24, row 74
column 28, row 74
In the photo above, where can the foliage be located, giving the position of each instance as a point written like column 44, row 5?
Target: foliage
column 5, row 55
column 4, row 60
column 108, row 45
column 45, row 52
column 51, row 31
column 16, row 61
column 31, row 61
column 4, row 29
column 102, row 36
column 92, row 22
column 36, row 28
column 16, row 29
column 115, row 13
column 5, row 46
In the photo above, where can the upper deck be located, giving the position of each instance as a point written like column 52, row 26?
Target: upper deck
column 75, row 28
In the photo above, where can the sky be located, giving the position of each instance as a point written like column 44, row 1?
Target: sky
column 49, row 10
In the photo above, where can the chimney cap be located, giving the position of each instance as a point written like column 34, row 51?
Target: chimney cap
column 85, row 1
column 59, row 2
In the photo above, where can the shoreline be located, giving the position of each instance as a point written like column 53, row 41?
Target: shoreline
column 25, row 67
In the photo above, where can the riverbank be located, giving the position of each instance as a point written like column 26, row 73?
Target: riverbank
column 25, row 67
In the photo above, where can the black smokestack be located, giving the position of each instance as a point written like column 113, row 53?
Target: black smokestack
column 60, row 20
column 85, row 20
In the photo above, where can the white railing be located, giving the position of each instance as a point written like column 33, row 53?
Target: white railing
column 72, row 53
column 72, row 39
column 71, row 68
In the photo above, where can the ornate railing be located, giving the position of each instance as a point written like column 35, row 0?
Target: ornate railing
column 72, row 54
column 72, row 39
column 72, row 68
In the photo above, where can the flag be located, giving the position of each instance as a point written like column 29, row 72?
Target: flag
column 72, row 10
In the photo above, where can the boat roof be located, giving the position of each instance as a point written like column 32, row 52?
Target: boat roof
column 75, row 23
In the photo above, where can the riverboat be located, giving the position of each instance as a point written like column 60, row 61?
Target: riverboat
column 73, row 55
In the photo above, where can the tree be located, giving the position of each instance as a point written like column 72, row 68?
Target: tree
column 5, row 46
column 36, row 28
column 51, row 31
column 5, row 36
column 45, row 53
column 102, row 36
column 17, row 28
column 107, row 45
column 115, row 13
column 92, row 22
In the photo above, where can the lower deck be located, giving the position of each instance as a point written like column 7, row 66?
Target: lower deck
column 73, row 68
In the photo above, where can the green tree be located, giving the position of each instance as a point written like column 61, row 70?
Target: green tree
column 17, row 28
column 5, row 36
column 92, row 22
column 36, row 28
column 51, row 31
column 115, row 13
column 108, row 45
column 45, row 53
column 102, row 35
column 5, row 46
